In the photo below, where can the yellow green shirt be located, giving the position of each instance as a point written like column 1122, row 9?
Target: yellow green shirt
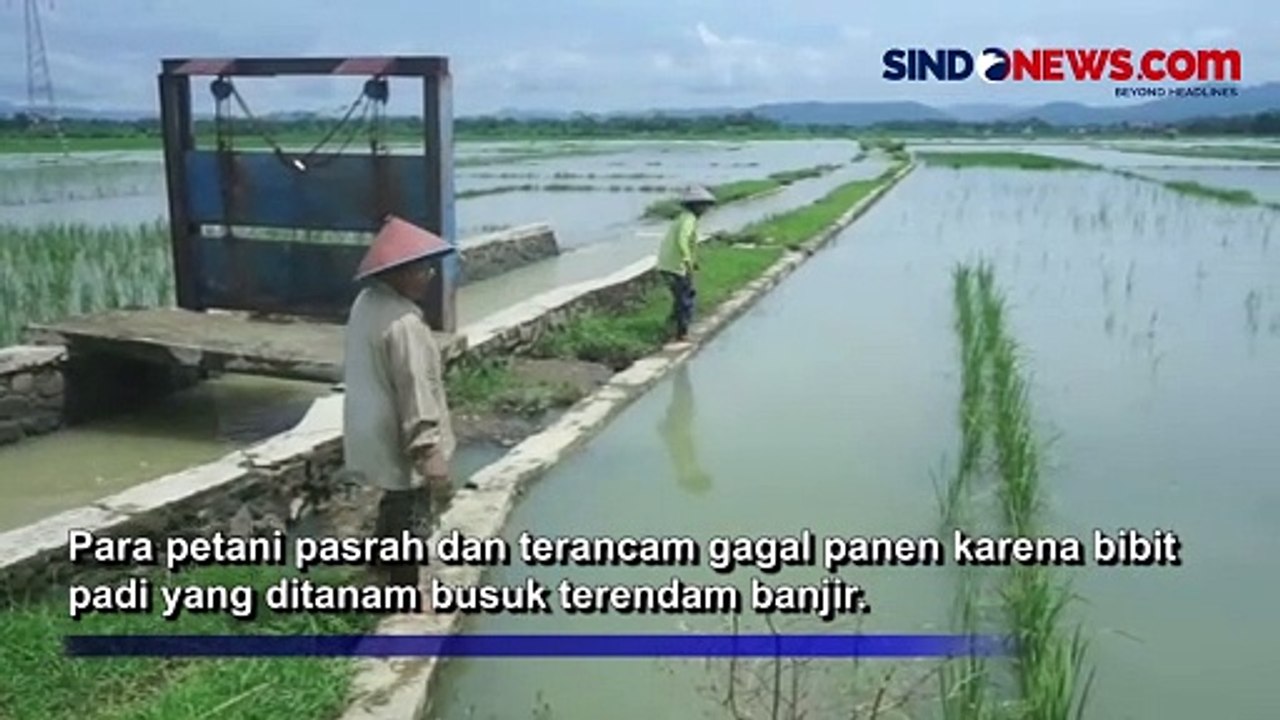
column 678, row 252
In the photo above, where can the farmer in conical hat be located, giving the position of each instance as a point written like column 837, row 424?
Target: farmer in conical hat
column 397, row 434
column 678, row 259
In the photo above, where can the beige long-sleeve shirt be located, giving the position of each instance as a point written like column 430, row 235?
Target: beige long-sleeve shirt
column 395, row 412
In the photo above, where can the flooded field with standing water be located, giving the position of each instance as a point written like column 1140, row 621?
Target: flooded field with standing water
column 1149, row 327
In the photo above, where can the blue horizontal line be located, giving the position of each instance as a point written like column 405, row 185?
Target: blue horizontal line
column 618, row 646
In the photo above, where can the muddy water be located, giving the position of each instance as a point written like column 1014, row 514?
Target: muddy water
column 1151, row 324
column 78, row 465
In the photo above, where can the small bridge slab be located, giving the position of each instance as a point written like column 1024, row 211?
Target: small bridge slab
column 283, row 347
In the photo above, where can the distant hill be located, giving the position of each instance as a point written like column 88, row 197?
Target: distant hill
column 1256, row 99
column 1250, row 100
column 847, row 113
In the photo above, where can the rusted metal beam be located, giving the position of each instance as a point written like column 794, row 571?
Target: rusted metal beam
column 175, row 115
column 412, row 66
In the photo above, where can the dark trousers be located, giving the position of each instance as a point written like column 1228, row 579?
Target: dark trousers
column 398, row 511
column 683, row 295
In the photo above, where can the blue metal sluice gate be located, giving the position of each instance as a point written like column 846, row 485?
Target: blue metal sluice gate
column 214, row 193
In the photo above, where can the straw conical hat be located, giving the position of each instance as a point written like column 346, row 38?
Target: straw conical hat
column 397, row 243
column 695, row 194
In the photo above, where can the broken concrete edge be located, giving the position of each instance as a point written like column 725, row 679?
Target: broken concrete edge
column 17, row 358
column 402, row 689
column 32, row 391
column 505, row 235
column 493, row 254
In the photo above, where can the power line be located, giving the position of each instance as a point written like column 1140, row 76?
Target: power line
column 41, row 106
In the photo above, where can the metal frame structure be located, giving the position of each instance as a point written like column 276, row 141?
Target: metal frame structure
column 347, row 192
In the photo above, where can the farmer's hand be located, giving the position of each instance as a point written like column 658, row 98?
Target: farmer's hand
column 435, row 471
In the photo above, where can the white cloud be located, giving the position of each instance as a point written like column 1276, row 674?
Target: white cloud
column 854, row 34
column 1212, row 35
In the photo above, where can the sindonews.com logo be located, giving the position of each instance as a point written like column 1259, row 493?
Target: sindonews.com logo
column 1117, row 65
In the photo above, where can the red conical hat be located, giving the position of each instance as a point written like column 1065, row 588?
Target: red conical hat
column 397, row 243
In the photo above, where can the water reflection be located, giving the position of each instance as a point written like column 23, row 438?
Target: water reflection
column 676, row 430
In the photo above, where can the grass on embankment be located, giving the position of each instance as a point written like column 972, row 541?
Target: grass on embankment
column 1216, row 152
column 40, row 683
column 1231, row 197
column 1005, row 160
column 619, row 338
column 740, row 190
column 995, row 415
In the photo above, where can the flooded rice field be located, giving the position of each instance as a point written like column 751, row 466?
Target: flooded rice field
column 1149, row 324
column 1101, row 155
column 64, row 221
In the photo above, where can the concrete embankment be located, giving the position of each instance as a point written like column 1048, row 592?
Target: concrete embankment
column 493, row 254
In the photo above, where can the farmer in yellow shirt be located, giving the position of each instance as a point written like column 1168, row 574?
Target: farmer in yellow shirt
column 678, row 258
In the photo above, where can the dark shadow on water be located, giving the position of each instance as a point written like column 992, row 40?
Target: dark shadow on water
column 676, row 430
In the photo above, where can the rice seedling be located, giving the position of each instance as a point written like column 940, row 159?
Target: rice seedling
column 1233, row 197
column 1005, row 160
column 969, row 685
column 495, row 190
column 1049, row 665
column 1253, row 310
column 1219, row 152
column 1047, row 672
column 52, row 271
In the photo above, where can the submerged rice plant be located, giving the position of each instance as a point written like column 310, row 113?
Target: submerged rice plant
column 1049, row 665
column 55, row 270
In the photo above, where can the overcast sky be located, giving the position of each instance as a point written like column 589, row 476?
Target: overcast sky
column 603, row 55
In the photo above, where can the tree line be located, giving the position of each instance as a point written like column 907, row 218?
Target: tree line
column 589, row 126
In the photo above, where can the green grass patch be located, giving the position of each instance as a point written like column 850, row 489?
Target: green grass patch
column 740, row 190
column 796, row 226
column 619, row 338
column 40, row 683
column 786, row 177
column 492, row 385
column 1232, row 197
column 1005, row 160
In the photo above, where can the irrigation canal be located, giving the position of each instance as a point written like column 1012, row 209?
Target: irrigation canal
column 833, row 405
